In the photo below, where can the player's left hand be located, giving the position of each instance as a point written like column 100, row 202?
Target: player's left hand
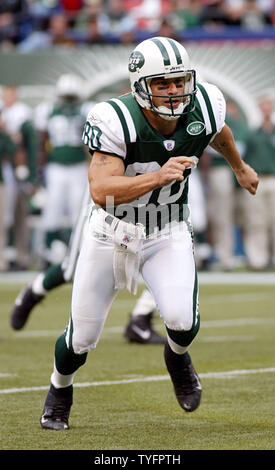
column 247, row 178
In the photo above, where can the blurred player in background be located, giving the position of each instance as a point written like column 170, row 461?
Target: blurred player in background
column 60, row 124
column 20, row 182
column 9, row 154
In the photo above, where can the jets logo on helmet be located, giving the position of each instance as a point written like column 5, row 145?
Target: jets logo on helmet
column 136, row 61
column 167, row 58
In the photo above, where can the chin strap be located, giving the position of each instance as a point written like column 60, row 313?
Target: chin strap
column 163, row 113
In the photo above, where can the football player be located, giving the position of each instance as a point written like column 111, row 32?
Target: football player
column 60, row 125
column 144, row 145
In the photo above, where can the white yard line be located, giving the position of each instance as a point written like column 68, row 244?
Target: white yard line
column 204, row 277
column 236, row 278
column 236, row 322
column 245, row 297
column 7, row 375
column 37, row 333
column 152, row 378
column 223, row 339
column 119, row 329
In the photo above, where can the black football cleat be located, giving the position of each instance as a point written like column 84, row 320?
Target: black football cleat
column 186, row 382
column 57, row 407
column 23, row 306
column 140, row 330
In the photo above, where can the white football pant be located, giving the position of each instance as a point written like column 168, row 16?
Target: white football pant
column 168, row 269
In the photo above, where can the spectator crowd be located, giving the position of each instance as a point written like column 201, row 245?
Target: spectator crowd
column 39, row 24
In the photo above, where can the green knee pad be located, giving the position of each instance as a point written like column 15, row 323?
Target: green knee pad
column 66, row 361
column 54, row 277
column 184, row 338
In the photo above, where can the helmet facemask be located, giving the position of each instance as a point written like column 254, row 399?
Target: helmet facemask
column 145, row 96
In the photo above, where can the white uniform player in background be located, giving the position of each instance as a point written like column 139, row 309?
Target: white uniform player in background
column 17, row 118
column 60, row 125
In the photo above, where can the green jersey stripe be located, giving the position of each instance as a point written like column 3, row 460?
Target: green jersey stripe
column 209, row 109
column 128, row 118
column 203, row 108
column 163, row 50
column 122, row 120
column 176, row 50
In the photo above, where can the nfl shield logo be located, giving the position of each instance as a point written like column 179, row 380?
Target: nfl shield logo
column 126, row 238
column 169, row 144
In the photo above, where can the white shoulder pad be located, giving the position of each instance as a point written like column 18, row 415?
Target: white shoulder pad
column 16, row 115
column 23, row 111
column 85, row 107
column 103, row 130
column 41, row 115
column 218, row 104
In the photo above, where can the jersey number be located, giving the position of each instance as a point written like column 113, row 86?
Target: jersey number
column 168, row 194
column 91, row 136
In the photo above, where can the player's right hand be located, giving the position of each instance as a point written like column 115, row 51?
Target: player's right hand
column 173, row 169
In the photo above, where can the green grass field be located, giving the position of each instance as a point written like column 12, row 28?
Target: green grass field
column 123, row 398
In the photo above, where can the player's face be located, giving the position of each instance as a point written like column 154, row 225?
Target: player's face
column 167, row 87
column 266, row 107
